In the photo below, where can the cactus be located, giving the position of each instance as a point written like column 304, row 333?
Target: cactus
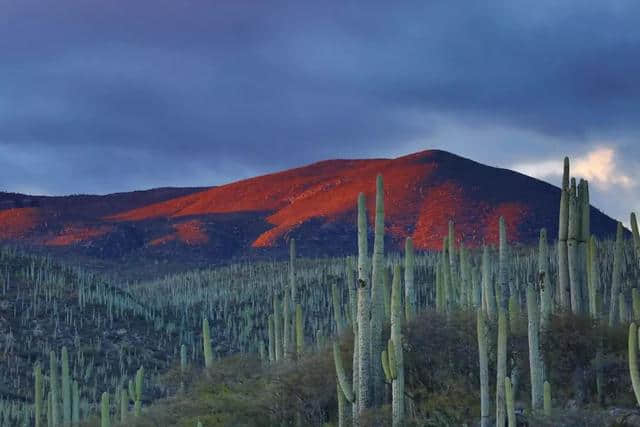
column 272, row 348
column 292, row 271
column 66, row 389
column 546, row 300
column 636, row 236
column 635, row 302
column 377, row 296
column 503, row 287
column 564, row 289
column 484, row 368
column 286, row 330
column 183, row 359
column 105, row 419
column 364, row 312
column 139, row 390
column 75, row 404
column 346, row 388
column 206, row 343
column 38, row 394
column 488, row 296
column 633, row 360
column 572, row 248
column 535, row 358
column 453, row 270
column 299, row 331
column 501, row 370
column 583, row 240
column 396, row 366
column 511, row 410
column 547, row 399
column 53, row 386
column 277, row 330
column 616, row 276
column 409, row 290
column 594, row 279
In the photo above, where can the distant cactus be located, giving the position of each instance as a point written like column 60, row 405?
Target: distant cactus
column 206, row 343
column 299, row 331
column 139, row 390
column 409, row 289
column 38, row 394
column 503, row 287
column 546, row 300
column 616, row 276
column 272, row 347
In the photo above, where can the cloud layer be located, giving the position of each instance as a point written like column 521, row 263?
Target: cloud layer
column 110, row 96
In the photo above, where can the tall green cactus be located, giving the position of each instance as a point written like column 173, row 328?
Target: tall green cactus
column 503, row 287
column 616, row 276
column 409, row 289
column 572, row 248
column 299, row 331
column 272, row 346
column 397, row 366
column 633, row 360
column 37, row 372
column 564, row 289
column 377, row 294
column 105, row 418
column 277, row 329
column 139, row 390
column 364, row 313
column 547, row 399
column 583, row 241
column 501, row 369
column 511, row 410
column 484, row 368
column 75, row 404
column 54, row 389
column 66, row 388
column 286, row 330
column 206, row 343
column 292, row 271
column 488, row 296
column 344, row 390
column 636, row 236
column 594, row 281
column 535, row 357
column 124, row 405
column 546, row 300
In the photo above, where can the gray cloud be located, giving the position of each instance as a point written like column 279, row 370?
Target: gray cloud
column 108, row 96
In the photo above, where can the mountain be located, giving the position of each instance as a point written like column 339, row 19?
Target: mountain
column 314, row 203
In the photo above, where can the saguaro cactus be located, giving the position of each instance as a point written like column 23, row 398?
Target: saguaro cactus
column 484, row 368
column 272, row 346
column 206, row 343
column 54, row 390
column 364, row 313
column 286, row 330
column 636, row 236
column 535, row 357
column 501, row 369
column 37, row 372
column 299, row 331
column 511, row 410
column 488, row 296
column 575, row 219
column 66, row 389
column 594, row 280
column 139, row 389
column 616, row 276
column 503, row 286
column 397, row 365
column 409, row 290
column 547, row 399
column 377, row 294
column 105, row 418
column 564, row 289
column 546, row 300
column 75, row 404
column 633, row 360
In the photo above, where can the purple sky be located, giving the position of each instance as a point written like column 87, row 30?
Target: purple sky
column 101, row 96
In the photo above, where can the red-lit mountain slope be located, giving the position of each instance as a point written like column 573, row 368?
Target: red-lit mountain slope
column 315, row 203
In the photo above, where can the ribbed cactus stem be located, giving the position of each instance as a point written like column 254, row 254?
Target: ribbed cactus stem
column 75, row 404
column 286, row 330
column 483, row 352
column 183, row 359
column 633, row 360
column 105, row 418
column 299, row 331
column 572, row 248
column 501, row 369
column 445, row 270
column 292, row 271
column 564, row 289
column 54, row 389
column 585, row 235
column 277, row 330
column 139, row 391
column 594, row 279
column 635, row 303
column 206, row 343
column 546, row 300
column 616, row 276
column 391, row 360
column 409, row 289
column 547, row 399
column 453, row 268
column 488, row 296
column 503, row 287
column 272, row 346
column 377, row 296
column 385, row 366
column 511, row 410
column 66, row 389
column 364, row 313
column 397, row 313
column 535, row 357
column 37, row 371
column 636, row 236
column 124, row 405
column 343, row 381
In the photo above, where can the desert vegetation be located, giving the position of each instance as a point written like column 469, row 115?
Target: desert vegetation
column 505, row 335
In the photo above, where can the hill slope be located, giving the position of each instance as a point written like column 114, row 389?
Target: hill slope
column 314, row 203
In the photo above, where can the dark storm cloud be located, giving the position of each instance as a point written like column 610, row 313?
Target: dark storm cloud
column 100, row 96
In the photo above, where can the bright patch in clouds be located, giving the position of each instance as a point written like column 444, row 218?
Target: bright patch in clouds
column 598, row 166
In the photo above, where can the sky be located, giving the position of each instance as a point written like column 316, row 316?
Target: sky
column 104, row 96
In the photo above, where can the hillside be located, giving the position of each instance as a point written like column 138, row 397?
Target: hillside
column 314, row 203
